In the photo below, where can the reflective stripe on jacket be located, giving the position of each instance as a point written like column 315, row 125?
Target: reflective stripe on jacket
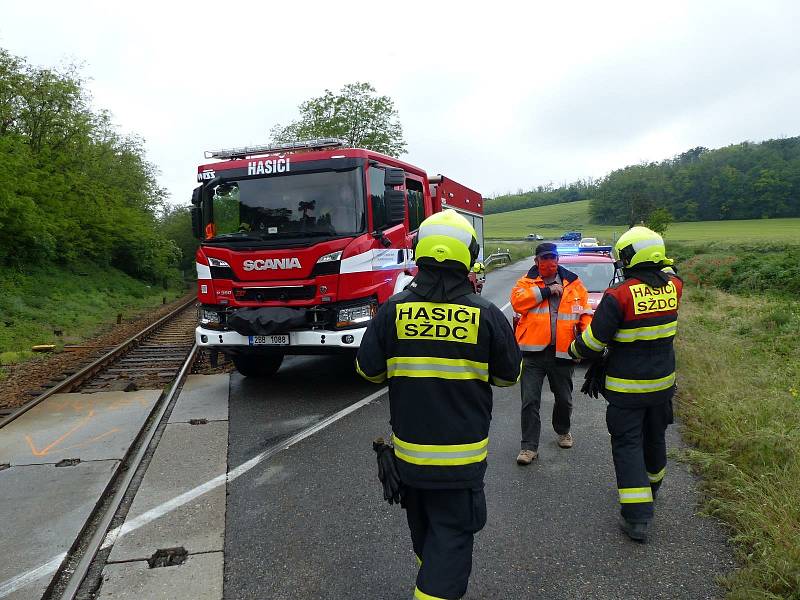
column 440, row 359
column 531, row 299
column 637, row 323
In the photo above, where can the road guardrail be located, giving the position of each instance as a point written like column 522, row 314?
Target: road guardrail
column 497, row 257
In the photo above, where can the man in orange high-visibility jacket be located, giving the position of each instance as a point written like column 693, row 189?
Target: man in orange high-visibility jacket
column 554, row 304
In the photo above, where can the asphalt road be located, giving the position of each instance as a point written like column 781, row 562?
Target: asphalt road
column 309, row 523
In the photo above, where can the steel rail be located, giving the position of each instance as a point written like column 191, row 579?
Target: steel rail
column 101, row 531
column 89, row 371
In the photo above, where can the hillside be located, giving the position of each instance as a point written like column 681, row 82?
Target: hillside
column 541, row 196
column 750, row 180
column 57, row 305
column 552, row 221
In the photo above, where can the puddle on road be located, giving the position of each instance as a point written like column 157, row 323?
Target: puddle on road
column 272, row 474
column 301, row 422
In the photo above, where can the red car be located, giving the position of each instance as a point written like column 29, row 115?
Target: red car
column 595, row 267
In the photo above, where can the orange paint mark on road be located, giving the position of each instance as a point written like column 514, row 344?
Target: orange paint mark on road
column 88, row 408
column 46, row 450
column 118, row 404
column 81, row 405
column 94, row 439
column 59, row 404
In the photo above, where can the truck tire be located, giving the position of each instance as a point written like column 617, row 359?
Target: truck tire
column 257, row 365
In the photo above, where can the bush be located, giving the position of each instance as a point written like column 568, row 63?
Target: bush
column 746, row 269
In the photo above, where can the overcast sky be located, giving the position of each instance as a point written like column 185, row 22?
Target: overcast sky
column 500, row 96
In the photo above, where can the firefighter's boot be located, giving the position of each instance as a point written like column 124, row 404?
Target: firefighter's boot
column 636, row 531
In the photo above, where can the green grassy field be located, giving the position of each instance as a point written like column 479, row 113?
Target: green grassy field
column 553, row 221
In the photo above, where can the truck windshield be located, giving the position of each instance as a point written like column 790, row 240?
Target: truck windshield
column 296, row 206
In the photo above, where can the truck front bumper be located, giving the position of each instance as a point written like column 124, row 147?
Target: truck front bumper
column 317, row 341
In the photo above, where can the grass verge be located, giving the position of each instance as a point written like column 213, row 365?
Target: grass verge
column 739, row 400
column 58, row 306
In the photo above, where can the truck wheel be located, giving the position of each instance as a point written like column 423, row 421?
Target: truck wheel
column 257, row 365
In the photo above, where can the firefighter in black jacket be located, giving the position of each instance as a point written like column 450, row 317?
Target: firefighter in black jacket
column 636, row 321
column 441, row 346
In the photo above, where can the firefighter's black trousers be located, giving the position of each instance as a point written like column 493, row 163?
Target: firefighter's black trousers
column 640, row 455
column 443, row 524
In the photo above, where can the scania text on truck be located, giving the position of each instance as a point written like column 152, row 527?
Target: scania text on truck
column 301, row 242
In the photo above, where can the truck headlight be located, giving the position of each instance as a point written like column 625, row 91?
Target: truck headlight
column 353, row 315
column 216, row 262
column 328, row 264
column 209, row 318
column 332, row 257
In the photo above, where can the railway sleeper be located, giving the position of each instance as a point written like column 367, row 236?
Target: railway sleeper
column 134, row 370
column 160, row 346
column 165, row 351
column 151, row 349
column 127, row 375
column 145, row 361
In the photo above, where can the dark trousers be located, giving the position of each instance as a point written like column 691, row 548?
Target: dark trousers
column 537, row 365
column 443, row 524
column 640, row 455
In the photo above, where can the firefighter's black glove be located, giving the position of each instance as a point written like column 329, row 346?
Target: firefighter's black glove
column 387, row 471
column 594, row 380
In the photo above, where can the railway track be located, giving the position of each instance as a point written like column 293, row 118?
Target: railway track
column 158, row 357
column 78, row 578
column 150, row 359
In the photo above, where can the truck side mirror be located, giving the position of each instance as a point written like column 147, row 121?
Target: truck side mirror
column 197, row 221
column 396, row 206
column 197, row 195
column 394, row 177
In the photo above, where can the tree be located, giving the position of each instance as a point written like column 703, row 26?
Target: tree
column 175, row 223
column 659, row 220
column 742, row 181
column 72, row 189
column 12, row 81
column 356, row 114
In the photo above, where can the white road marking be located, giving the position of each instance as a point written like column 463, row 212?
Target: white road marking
column 11, row 585
column 20, row 581
column 505, row 306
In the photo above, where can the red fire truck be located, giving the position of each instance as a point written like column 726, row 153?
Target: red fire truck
column 301, row 242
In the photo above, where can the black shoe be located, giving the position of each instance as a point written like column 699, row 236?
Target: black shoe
column 636, row 531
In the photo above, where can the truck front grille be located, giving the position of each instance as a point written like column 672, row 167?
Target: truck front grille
column 279, row 293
